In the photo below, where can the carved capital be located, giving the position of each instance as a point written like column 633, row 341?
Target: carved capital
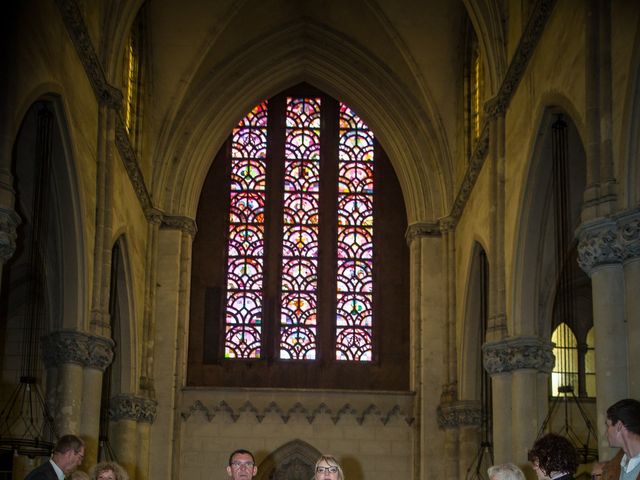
column 417, row 230
column 131, row 407
column 175, row 222
column 459, row 414
column 9, row 221
column 609, row 240
column 70, row 346
column 518, row 353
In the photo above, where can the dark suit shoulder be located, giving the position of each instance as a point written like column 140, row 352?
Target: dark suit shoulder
column 43, row 472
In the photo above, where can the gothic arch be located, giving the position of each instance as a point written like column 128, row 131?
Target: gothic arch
column 65, row 268
column 470, row 368
column 327, row 60
column 125, row 367
column 534, row 272
column 630, row 164
column 293, row 461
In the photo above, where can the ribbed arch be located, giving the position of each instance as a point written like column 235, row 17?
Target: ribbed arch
column 328, row 61
column 534, row 266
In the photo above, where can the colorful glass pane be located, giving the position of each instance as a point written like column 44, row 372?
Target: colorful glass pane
column 245, row 247
column 298, row 301
column 354, row 324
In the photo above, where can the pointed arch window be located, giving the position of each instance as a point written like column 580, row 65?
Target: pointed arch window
column 301, row 255
column 473, row 94
column 565, row 370
column 132, row 78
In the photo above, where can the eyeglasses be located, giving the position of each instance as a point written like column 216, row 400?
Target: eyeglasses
column 238, row 465
column 326, row 469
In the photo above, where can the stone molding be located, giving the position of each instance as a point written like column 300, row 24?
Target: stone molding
column 518, row 353
column 526, row 47
column 311, row 412
column 77, row 29
column 499, row 104
column 421, row 229
column 175, row 222
column 128, row 155
column 609, row 240
column 459, row 414
column 9, row 221
column 131, row 407
column 70, row 346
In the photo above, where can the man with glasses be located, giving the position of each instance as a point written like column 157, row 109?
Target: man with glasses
column 67, row 456
column 623, row 431
column 242, row 465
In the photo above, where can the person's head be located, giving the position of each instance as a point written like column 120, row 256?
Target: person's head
column 108, row 471
column 79, row 475
column 623, row 418
column 68, row 453
column 242, row 465
column 506, row 471
column 551, row 454
column 328, row 468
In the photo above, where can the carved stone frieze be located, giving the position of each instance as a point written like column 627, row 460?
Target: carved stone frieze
column 128, row 155
column 459, row 414
column 416, row 230
column 518, row 353
column 131, row 407
column 9, row 221
column 611, row 240
column 70, row 346
column 311, row 413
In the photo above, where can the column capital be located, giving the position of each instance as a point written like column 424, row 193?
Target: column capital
column 422, row 229
column 178, row 222
column 459, row 414
column 9, row 221
column 609, row 240
column 518, row 353
column 132, row 407
column 71, row 346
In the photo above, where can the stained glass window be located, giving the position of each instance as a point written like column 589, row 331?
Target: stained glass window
column 298, row 301
column 355, row 238
column 590, row 364
column 245, row 252
column 294, row 202
column 132, row 77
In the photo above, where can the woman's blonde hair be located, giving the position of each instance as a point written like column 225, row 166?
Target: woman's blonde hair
column 101, row 467
column 332, row 462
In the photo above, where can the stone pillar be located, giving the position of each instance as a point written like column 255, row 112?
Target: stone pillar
column 429, row 345
column 461, row 423
column 608, row 251
column 163, row 463
column 126, row 414
column 67, row 354
column 99, row 357
column 514, row 364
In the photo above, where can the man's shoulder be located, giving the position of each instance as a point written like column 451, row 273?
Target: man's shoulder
column 43, row 472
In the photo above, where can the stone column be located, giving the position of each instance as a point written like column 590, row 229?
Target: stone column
column 163, row 464
column 126, row 414
column 461, row 422
column 99, row 357
column 69, row 353
column 429, row 345
column 514, row 364
column 608, row 251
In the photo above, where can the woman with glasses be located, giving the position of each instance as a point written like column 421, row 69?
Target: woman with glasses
column 108, row 471
column 327, row 468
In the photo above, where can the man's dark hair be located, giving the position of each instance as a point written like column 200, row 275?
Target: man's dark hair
column 241, row 451
column 68, row 442
column 626, row 411
column 554, row 453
